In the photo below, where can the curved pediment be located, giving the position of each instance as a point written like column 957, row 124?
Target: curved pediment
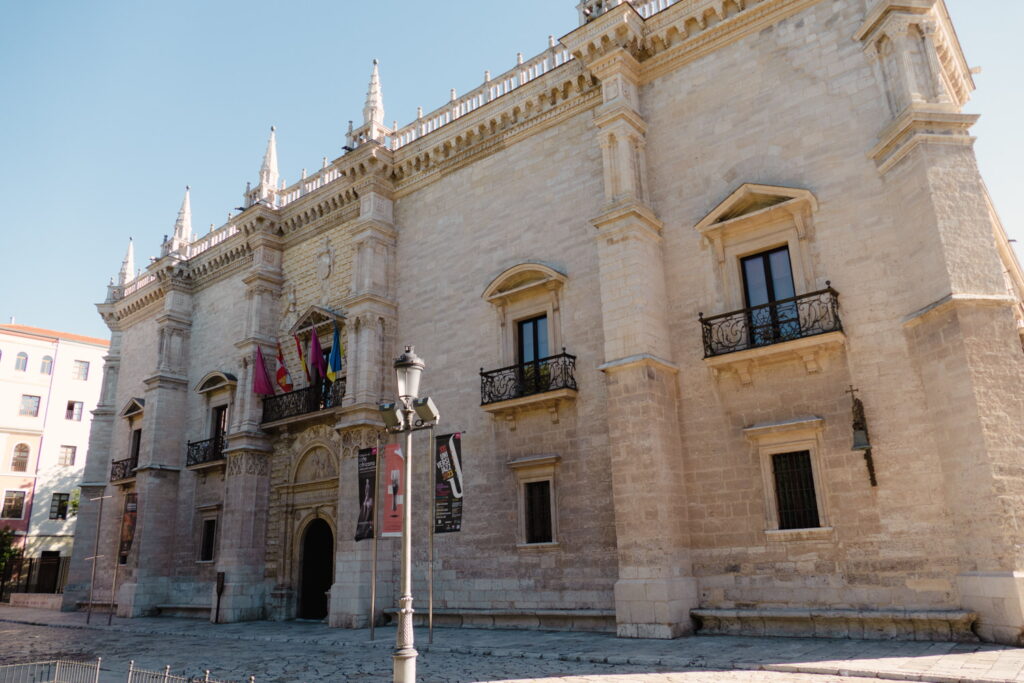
column 216, row 380
column 750, row 200
column 134, row 406
column 314, row 317
column 316, row 464
column 523, row 278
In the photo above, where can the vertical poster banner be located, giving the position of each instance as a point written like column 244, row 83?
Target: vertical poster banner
column 131, row 511
column 367, row 482
column 448, row 483
column 394, row 491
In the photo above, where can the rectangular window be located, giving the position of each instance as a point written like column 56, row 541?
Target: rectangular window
column 533, row 339
column 59, row 506
column 29, row 406
column 14, row 505
column 209, row 537
column 218, row 421
column 74, row 411
column 133, row 453
column 768, row 278
column 80, row 370
column 66, row 458
column 794, row 490
column 537, row 509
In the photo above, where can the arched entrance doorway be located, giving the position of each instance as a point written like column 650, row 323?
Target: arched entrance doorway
column 317, row 570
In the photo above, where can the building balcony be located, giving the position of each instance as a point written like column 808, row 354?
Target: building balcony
column 799, row 326
column 542, row 383
column 123, row 470
column 206, row 453
column 303, row 403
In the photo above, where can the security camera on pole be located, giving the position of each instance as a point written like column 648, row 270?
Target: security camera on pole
column 410, row 414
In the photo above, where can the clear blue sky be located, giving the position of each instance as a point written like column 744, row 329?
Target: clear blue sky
column 111, row 108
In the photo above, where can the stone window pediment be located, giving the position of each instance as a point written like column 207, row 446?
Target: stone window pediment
column 133, row 407
column 317, row 464
column 216, row 380
column 752, row 205
column 314, row 318
column 523, row 280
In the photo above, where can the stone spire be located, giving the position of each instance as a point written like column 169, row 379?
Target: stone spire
column 373, row 110
column 128, row 265
column 183, row 224
column 268, row 171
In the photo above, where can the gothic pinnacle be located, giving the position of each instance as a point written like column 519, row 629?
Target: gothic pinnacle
column 268, row 171
column 127, row 265
column 373, row 111
column 183, row 225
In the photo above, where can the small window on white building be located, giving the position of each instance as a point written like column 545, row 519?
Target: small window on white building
column 80, row 370
column 74, row 411
column 59, row 505
column 21, row 362
column 19, row 461
column 14, row 505
column 66, row 458
column 29, row 406
column 46, row 365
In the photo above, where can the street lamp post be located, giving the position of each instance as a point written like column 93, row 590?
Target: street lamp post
column 410, row 414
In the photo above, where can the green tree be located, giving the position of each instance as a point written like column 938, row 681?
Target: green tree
column 10, row 553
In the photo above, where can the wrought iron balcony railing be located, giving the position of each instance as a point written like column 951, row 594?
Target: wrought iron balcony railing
column 797, row 317
column 312, row 399
column 202, row 452
column 527, row 379
column 123, row 469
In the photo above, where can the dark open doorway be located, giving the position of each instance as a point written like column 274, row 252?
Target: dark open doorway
column 317, row 570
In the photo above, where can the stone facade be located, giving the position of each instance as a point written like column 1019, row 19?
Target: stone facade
column 618, row 185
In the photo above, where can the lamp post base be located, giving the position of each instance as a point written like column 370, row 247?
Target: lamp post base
column 405, row 653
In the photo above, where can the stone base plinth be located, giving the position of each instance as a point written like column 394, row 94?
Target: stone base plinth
column 37, row 600
column 998, row 598
column 654, row 608
column 541, row 619
column 938, row 625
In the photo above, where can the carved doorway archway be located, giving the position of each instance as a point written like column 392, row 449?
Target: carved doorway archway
column 317, row 570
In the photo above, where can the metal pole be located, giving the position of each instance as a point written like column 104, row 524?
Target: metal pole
column 95, row 556
column 99, row 661
column 131, row 669
column 430, row 539
column 117, row 565
column 376, row 532
column 405, row 654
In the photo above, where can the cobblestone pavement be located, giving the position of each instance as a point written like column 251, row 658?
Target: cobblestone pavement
column 298, row 652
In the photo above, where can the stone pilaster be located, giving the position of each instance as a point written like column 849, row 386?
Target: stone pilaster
column 655, row 590
column 242, row 551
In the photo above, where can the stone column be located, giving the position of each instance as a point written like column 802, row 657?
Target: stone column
column 96, row 474
column 242, row 545
column 161, row 456
column 373, row 312
column 655, row 590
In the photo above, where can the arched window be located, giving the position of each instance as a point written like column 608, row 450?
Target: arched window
column 19, row 462
column 46, row 367
column 22, row 362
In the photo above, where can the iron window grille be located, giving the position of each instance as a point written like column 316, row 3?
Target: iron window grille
column 527, row 379
column 59, row 506
column 19, row 462
column 123, row 469
column 29, row 406
column 797, row 317
column 794, row 490
column 14, row 505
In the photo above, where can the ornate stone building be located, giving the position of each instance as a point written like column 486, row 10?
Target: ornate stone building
column 713, row 289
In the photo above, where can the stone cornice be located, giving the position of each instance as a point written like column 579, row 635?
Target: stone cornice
column 917, row 126
column 684, row 32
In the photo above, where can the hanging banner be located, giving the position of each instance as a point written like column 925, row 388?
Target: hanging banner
column 131, row 511
column 448, row 483
column 367, row 481
column 394, row 491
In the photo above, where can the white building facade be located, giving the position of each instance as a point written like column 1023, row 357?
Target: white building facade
column 50, row 385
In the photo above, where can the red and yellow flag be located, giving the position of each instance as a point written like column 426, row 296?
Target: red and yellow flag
column 284, row 380
column 302, row 358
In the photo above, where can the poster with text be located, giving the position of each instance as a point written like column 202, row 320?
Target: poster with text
column 367, row 482
column 448, row 483
column 131, row 511
column 394, row 491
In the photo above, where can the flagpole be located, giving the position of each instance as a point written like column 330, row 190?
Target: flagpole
column 430, row 542
column 373, row 562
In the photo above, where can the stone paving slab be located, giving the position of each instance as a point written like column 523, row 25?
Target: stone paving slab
column 885, row 660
